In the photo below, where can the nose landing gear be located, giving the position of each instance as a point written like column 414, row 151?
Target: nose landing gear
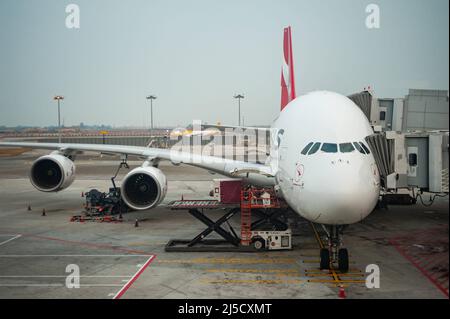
column 334, row 254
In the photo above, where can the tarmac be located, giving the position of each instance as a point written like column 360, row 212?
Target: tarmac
column 39, row 255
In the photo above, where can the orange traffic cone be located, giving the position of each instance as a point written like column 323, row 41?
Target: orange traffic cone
column 342, row 292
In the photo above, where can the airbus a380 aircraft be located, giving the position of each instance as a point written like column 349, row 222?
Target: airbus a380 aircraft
column 323, row 167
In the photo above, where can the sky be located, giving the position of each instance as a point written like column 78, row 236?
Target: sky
column 195, row 55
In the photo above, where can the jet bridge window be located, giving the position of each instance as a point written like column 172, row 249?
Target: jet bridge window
column 329, row 148
column 314, row 149
column 346, row 147
column 359, row 148
column 307, row 147
column 365, row 148
column 412, row 159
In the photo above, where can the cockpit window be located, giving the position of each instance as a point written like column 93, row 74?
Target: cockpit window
column 314, row 149
column 364, row 147
column 346, row 147
column 329, row 148
column 349, row 147
column 359, row 148
column 307, row 147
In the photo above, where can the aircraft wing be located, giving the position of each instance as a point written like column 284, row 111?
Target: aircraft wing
column 258, row 173
column 223, row 127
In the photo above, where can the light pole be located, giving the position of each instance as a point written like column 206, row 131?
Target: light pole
column 239, row 97
column 59, row 98
column 151, row 98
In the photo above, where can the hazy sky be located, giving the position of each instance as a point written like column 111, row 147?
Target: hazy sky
column 195, row 55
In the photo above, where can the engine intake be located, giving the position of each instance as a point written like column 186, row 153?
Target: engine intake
column 52, row 173
column 144, row 187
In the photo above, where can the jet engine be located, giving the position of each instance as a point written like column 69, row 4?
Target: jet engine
column 144, row 187
column 52, row 173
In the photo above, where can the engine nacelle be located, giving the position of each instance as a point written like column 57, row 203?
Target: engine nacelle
column 52, row 173
column 144, row 187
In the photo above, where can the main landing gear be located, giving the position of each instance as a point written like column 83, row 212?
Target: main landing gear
column 334, row 254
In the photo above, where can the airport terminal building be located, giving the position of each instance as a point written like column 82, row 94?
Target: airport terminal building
column 419, row 110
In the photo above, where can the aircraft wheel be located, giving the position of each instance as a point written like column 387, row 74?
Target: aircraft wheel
column 259, row 244
column 324, row 258
column 343, row 260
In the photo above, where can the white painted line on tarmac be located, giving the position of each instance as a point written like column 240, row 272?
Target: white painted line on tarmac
column 60, row 276
column 31, row 285
column 129, row 280
column 11, row 239
column 101, row 285
column 58, row 285
column 34, row 256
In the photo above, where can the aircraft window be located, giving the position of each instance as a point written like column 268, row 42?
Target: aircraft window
column 307, row 147
column 364, row 147
column 359, row 148
column 314, row 149
column 346, row 147
column 329, row 148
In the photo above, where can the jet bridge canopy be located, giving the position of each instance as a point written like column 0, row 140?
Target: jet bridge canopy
column 384, row 154
column 412, row 160
column 368, row 105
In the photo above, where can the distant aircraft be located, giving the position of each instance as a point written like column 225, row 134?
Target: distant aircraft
column 202, row 130
column 322, row 166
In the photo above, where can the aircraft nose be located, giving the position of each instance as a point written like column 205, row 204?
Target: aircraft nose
column 344, row 193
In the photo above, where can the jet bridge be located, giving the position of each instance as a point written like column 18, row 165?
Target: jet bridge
column 412, row 160
column 369, row 106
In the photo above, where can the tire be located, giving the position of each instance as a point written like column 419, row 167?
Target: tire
column 324, row 258
column 280, row 226
column 259, row 244
column 343, row 260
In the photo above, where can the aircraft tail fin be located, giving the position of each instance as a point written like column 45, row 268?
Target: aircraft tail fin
column 287, row 71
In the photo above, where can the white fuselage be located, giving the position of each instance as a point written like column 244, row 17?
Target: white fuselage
column 328, row 186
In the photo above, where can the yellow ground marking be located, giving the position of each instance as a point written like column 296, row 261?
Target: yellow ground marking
column 311, row 261
column 328, row 274
column 336, row 281
column 266, row 272
column 312, row 247
column 250, row 281
column 335, row 276
column 273, row 254
column 246, row 261
column 283, row 271
column 316, row 234
column 309, row 255
column 332, row 271
column 286, row 275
